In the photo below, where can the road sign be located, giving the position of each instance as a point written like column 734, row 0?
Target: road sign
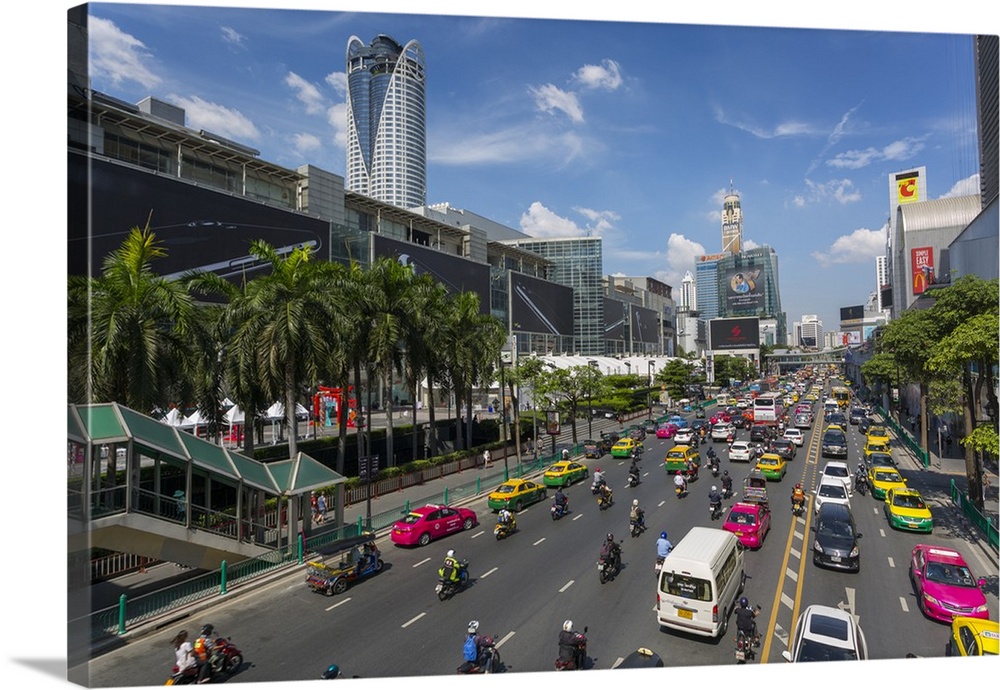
column 368, row 468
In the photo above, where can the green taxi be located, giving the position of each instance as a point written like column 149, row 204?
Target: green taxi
column 564, row 473
column 623, row 447
column 772, row 466
column 905, row 509
column 881, row 478
column 677, row 458
column 515, row 494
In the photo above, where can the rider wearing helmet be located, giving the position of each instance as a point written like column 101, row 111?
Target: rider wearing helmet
column 452, row 567
column 727, row 482
column 746, row 620
column 599, row 477
column 571, row 646
column 663, row 546
column 637, row 514
column 505, row 518
column 610, row 551
column 203, row 652
column 471, row 649
column 679, row 480
column 798, row 495
column 714, row 497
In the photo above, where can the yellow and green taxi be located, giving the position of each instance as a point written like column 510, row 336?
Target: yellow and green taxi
column 973, row 637
column 878, row 434
column 881, row 478
column 564, row 473
column 834, row 427
column 623, row 448
column 772, row 466
column 905, row 509
column 875, row 447
column 515, row 494
column 678, row 456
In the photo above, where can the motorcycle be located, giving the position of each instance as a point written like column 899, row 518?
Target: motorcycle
column 224, row 658
column 488, row 661
column 505, row 529
column 579, row 657
column 635, row 528
column 178, row 677
column 744, row 647
column 605, row 499
column 559, row 509
column 727, row 491
column 608, row 568
column 861, row 483
column 595, row 486
column 715, row 509
column 681, row 490
column 633, row 480
column 446, row 587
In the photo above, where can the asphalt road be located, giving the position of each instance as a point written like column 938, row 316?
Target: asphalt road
column 392, row 625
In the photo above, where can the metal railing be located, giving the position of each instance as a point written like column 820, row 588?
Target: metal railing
column 985, row 524
column 904, row 437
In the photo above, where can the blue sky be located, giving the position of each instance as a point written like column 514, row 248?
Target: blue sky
column 629, row 130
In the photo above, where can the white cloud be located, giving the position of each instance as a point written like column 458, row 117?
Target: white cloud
column 336, row 116
column 117, row 56
column 783, row 129
column 748, row 244
column 539, row 221
column 899, row 150
column 338, row 82
column 306, row 92
column 304, row 142
column 506, row 146
column 601, row 222
column 680, row 257
column 232, row 36
column 202, row 114
column 607, row 76
column 970, row 185
column 549, row 98
column 857, row 248
column 842, row 191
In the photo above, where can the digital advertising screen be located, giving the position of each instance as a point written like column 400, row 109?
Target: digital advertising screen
column 456, row 273
column 615, row 318
column 734, row 334
column 645, row 324
column 539, row 306
column 744, row 288
column 856, row 313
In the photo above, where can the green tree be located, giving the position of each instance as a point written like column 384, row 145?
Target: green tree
column 675, row 375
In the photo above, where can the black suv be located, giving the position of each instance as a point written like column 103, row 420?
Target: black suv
column 836, row 543
column 784, row 448
column 857, row 414
column 759, row 433
column 834, row 444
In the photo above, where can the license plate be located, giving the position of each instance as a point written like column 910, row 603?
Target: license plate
column 738, row 534
column 835, row 559
column 684, row 613
column 437, row 588
column 740, row 656
column 600, row 566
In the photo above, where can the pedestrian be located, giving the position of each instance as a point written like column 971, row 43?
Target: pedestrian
column 947, row 441
column 314, row 506
column 321, row 507
column 181, row 505
column 486, row 458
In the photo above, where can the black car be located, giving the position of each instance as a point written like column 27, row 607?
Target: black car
column 760, row 433
column 838, row 418
column 864, row 424
column 836, row 543
column 857, row 414
column 834, row 444
column 784, row 448
column 739, row 422
column 698, row 424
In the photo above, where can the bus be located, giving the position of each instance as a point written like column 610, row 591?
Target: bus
column 768, row 408
column 842, row 395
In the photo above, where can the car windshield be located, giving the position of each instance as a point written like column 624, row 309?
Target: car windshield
column 811, row 650
column 890, row 477
column 686, row 586
column 948, row 574
column 877, row 447
column 835, row 437
column 908, row 501
column 412, row 518
column 676, row 454
column 741, row 518
column 832, row 491
column 505, row 489
column 556, row 468
column 835, row 471
column 835, row 528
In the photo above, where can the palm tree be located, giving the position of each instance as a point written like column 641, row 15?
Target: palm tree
column 427, row 304
column 128, row 329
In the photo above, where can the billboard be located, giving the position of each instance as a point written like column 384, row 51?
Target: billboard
column 922, row 268
column 734, row 334
column 456, row 273
column 744, row 289
column 866, row 332
column 713, row 257
column 615, row 318
column 645, row 324
column 853, row 337
column 848, row 314
column 908, row 187
column 199, row 228
column 539, row 306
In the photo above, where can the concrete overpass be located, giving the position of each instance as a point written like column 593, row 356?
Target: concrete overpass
column 788, row 361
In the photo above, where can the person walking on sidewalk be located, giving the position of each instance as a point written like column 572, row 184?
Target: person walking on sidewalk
column 486, row 458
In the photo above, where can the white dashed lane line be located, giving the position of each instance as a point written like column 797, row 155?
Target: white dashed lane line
column 477, row 534
column 578, row 516
column 902, row 603
column 342, row 601
column 421, row 562
column 413, row 620
column 504, row 639
column 539, row 541
column 488, row 573
column 566, row 586
column 892, row 563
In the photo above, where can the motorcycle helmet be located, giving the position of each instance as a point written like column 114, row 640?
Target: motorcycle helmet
column 207, row 630
column 331, row 672
column 598, row 469
column 715, row 488
column 473, row 627
column 568, row 626
column 451, row 553
column 798, row 486
column 725, row 473
column 611, row 537
column 679, row 473
column 663, row 535
column 635, row 501
column 744, row 602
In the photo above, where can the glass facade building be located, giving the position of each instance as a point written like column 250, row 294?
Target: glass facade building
column 706, row 281
column 386, row 121
column 747, row 285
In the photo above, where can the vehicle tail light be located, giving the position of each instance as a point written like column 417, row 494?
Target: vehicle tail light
column 715, row 613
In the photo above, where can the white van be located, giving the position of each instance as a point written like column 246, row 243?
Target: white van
column 700, row 582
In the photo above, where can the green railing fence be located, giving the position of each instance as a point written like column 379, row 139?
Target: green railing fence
column 904, row 437
column 988, row 527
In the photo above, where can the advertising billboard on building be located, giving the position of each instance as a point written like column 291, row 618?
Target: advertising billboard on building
column 455, row 273
column 734, row 334
column 853, row 337
column 922, row 268
column 540, row 306
column 615, row 318
column 852, row 314
column 645, row 324
column 744, row 289
column 198, row 228
column 866, row 332
column 909, row 187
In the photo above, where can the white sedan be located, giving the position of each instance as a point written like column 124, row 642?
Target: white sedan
column 740, row 451
column 722, row 432
column 684, row 436
column 795, row 436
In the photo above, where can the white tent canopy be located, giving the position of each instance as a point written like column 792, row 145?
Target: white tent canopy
column 235, row 415
column 277, row 411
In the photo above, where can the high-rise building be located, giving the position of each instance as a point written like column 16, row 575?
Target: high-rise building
column 809, row 331
column 881, row 281
column 689, row 299
column 386, row 121
column 747, row 285
column 732, row 222
column 706, row 272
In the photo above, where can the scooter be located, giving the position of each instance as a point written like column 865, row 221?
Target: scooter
column 727, row 491
column 635, row 528
column 798, row 507
column 595, row 486
column 744, row 647
column 488, row 661
column 579, row 657
column 633, row 480
column 559, row 509
column 446, row 587
column 715, row 509
column 505, row 529
column 681, row 490
column 605, row 499
column 224, row 659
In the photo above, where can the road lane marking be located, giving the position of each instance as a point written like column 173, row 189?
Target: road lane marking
column 796, row 553
column 660, row 504
column 578, row 516
column 781, row 634
column 792, row 574
column 539, row 541
column 413, row 620
column 477, row 534
column 892, row 563
column 567, row 586
column 902, row 602
column 504, row 639
column 488, row 573
column 618, row 661
column 787, row 601
column 342, row 601
column 798, row 535
column 421, row 562
column 881, row 531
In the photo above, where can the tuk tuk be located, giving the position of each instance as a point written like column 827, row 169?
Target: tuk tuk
column 343, row 563
column 608, row 439
column 591, row 449
column 755, row 487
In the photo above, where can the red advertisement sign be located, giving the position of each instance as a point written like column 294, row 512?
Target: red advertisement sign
column 922, row 261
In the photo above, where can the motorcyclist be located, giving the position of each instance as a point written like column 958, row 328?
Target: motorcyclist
column 692, row 467
column 663, row 547
column 758, row 451
column 611, row 552
column 727, row 483
column 203, row 645
column 571, row 646
column 452, row 568
column 565, row 454
column 505, row 518
column 637, row 515
column 471, row 648
column 746, row 620
column 633, row 472
column 715, row 499
column 606, row 493
column 680, row 482
column 599, row 478
column 798, row 496
column 560, row 499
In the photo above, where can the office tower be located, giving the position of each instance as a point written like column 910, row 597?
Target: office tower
column 386, row 121
column 881, row 280
column 732, row 222
column 689, row 299
column 810, row 331
column 747, row 285
column 706, row 271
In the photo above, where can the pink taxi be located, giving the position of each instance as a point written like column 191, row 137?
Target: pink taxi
column 944, row 585
column 666, row 430
column 749, row 522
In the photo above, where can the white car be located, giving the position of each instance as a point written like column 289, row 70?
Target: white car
column 721, row 432
column 683, row 436
column 795, row 436
column 740, row 451
column 825, row 633
column 838, row 471
column 830, row 490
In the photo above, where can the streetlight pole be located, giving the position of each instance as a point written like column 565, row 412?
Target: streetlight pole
column 503, row 423
column 649, row 386
column 590, row 386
